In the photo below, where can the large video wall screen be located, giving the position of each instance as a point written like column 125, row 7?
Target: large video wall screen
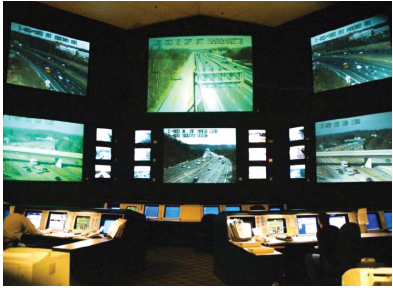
column 200, row 155
column 200, row 74
column 356, row 149
column 42, row 150
column 46, row 60
column 357, row 53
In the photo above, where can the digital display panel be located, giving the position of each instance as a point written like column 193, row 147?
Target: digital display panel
column 233, row 208
column 388, row 219
column 373, row 222
column 142, row 136
column 257, row 154
column 42, row 150
column 56, row 220
column 142, row 172
column 337, row 220
column 256, row 136
column 132, row 208
column 142, row 154
column 200, row 74
column 34, row 217
column 82, row 222
column 103, row 171
column 107, row 220
column 296, row 134
column 276, row 226
column 172, row 212
column 297, row 171
column 307, row 225
column 297, row 152
column 200, row 155
column 211, row 210
column 103, row 153
column 46, row 60
column 356, row 149
column 104, row 135
column 357, row 53
column 151, row 211
column 107, row 226
column 257, row 172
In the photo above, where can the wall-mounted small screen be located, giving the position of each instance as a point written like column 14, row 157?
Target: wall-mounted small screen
column 103, row 153
column 297, row 152
column 256, row 136
column 200, row 155
column 337, row 220
column 357, row 53
column 388, row 219
column 82, row 222
column 46, row 60
column 172, row 212
column 296, row 134
column 233, row 208
column 103, row 171
column 256, row 154
column 200, row 74
column 373, row 221
column 34, row 217
column 41, row 149
column 275, row 226
column 356, row 149
column 151, row 211
column 297, row 171
column 142, row 154
column 211, row 210
column 142, row 136
column 307, row 225
column 57, row 220
column 257, row 172
column 104, row 135
column 132, row 208
column 142, row 172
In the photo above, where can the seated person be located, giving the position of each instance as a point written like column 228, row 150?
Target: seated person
column 327, row 237
column 15, row 225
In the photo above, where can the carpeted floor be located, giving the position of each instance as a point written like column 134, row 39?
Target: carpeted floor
column 175, row 266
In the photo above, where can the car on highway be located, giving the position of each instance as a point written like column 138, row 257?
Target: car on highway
column 350, row 173
column 345, row 65
column 337, row 168
column 356, row 171
column 24, row 165
column 28, row 170
column 45, row 170
column 47, row 70
column 184, row 166
column 195, row 179
column 57, row 178
column 369, row 180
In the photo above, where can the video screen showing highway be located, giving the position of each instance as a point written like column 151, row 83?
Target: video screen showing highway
column 142, row 172
column 41, row 150
column 200, row 155
column 296, row 134
column 45, row 60
column 357, row 53
column 200, row 74
column 103, row 153
column 102, row 171
column 104, row 135
column 356, row 149
column 297, row 171
column 142, row 136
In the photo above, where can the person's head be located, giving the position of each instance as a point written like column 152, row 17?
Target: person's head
column 323, row 219
column 19, row 209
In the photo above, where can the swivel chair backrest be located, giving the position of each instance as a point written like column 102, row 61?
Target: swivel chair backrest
column 348, row 246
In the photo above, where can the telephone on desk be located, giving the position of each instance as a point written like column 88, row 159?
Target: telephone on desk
column 93, row 233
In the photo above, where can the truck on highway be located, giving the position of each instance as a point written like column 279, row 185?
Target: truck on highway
column 33, row 162
column 344, row 164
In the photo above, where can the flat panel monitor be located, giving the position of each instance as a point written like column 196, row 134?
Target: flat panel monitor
column 233, row 208
column 276, row 226
column 172, row 212
column 256, row 136
column 56, row 220
column 103, row 153
column 357, row 53
column 142, row 172
column 34, row 217
column 142, row 154
column 297, row 171
column 6, row 213
column 338, row 220
column 373, row 221
column 257, row 172
column 103, row 171
column 296, row 134
column 211, row 210
column 42, row 150
column 132, row 208
column 82, row 222
column 355, row 149
column 200, row 74
column 297, row 152
column 104, row 135
column 46, row 60
column 200, row 155
column 151, row 211
column 256, row 154
column 388, row 219
column 307, row 225
column 142, row 136
column 107, row 220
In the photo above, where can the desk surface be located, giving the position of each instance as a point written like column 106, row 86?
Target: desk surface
column 81, row 244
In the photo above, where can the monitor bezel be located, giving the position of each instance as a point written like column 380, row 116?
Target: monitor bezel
column 158, row 211
column 55, row 213
column 307, row 216
column 171, row 206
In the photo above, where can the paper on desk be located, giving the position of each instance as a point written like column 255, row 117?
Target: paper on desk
column 362, row 216
column 257, row 231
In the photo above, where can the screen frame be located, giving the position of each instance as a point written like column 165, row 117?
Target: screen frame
column 82, row 216
column 34, row 211
column 211, row 206
column 171, row 206
column 104, row 217
column 384, row 218
column 379, row 222
column 158, row 211
column 307, row 216
column 55, row 213
column 234, row 206
column 339, row 215
column 281, row 219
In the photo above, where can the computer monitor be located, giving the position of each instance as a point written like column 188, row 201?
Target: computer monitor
column 277, row 225
column 34, row 217
column 107, row 220
column 388, row 219
column 338, row 220
column 211, row 210
column 132, row 208
column 56, row 220
column 172, row 212
column 307, row 225
column 233, row 209
column 151, row 211
column 373, row 221
column 6, row 212
column 82, row 222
